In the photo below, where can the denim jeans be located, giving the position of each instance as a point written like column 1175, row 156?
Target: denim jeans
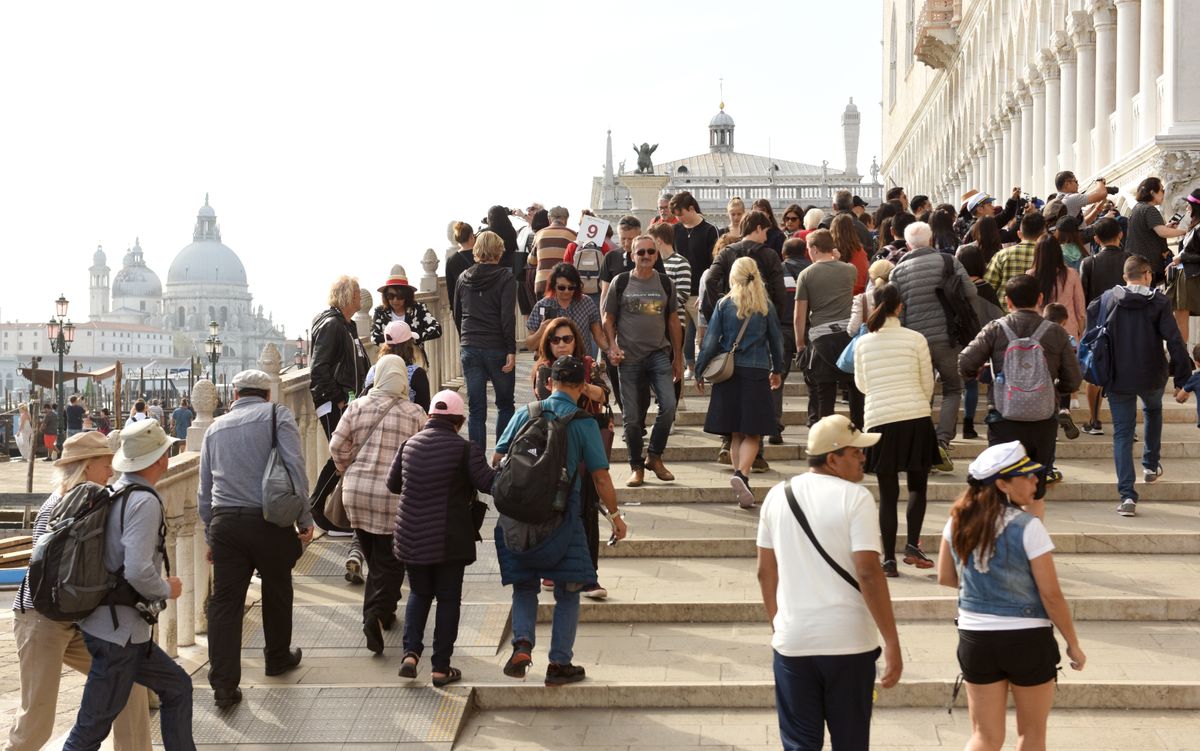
column 970, row 400
column 1124, row 417
column 443, row 582
column 115, row 669
column 654, row 369
column 689, row 343
column 562, row 630
column 479, row 367
column 819, row 690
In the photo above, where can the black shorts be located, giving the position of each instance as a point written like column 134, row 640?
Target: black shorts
column 1025, row 657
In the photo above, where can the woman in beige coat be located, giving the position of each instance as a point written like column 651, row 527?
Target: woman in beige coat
column 363, row 447
column 892, row 368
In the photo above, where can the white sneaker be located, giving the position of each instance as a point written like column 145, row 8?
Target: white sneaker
column 595, row 592
column 1128, row 507
column 688, row 374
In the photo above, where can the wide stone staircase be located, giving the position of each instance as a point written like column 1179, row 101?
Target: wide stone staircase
column 679, row 654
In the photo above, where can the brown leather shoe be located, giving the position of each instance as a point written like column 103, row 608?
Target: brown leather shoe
column 655, row 464
column 636, row 478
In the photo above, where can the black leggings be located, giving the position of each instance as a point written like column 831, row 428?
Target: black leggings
column 889, row 498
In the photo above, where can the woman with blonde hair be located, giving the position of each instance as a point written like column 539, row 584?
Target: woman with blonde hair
column 25, row 433
column 878, row 274
column 736, row 211
column 746, row 324
column 43, row 645
column 362, row 448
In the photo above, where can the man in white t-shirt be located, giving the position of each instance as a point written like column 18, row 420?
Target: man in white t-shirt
column 825, row 638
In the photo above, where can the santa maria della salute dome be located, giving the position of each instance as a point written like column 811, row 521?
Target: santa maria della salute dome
column 206, row 282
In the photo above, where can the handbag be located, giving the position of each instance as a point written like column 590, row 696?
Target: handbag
column 800, row 517
column 281, row 504
column 845, row 361
column 335, row 507
column 720, row 368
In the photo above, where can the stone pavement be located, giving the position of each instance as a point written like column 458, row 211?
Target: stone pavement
column 679, row 657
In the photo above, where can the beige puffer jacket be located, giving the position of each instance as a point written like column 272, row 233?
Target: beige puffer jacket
column 892, row 367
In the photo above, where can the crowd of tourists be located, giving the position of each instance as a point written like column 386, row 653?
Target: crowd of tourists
column 873, row 309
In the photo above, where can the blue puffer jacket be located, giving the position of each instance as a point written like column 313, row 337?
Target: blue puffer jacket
column 761, row 345
column 561, row 557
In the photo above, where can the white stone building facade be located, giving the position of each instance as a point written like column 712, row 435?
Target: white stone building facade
column 993, row 94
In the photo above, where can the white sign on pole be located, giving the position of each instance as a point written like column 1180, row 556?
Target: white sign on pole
column 592, row 230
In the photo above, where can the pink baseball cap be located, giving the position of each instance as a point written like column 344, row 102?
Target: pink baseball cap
column 397, row 332
column 447, row 403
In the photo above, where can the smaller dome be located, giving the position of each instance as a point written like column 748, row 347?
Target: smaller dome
column 136, row 281
column 98, row 258
column 851, row 107
column 721, row 120
column 206, row 210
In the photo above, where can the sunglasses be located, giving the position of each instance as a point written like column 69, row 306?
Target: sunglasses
column 791, row 218
column 394, row 295
column 565, row 287
column 564, row 339
column 647, row 251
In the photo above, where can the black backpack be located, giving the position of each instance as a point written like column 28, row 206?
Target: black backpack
column 962, row 324
column 534, row 479
column 67, row 576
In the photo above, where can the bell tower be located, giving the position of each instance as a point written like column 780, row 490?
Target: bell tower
column 99, row 299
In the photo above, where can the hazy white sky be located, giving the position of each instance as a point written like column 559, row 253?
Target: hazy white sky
column 342, row 137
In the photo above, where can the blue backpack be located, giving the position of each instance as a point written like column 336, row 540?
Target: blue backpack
column 1095, row 352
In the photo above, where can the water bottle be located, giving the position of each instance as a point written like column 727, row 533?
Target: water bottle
column 564, row 487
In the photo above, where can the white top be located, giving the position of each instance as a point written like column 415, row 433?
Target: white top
column 1037, row 543
column 892, row 368
column 819, row 612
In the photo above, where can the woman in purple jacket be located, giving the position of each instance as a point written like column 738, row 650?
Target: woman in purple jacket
column 437, row 473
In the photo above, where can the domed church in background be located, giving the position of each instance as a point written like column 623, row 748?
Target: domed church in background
column 206, row 282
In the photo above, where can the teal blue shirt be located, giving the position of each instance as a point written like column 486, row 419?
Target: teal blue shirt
column 584, row 445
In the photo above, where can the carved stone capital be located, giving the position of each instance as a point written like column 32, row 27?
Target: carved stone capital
column 1062, row 48
column 1047, row 65
column 1178, row 169
column 1079, row 27
column 1104, row 13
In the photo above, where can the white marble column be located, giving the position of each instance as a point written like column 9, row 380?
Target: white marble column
column 1150, row 67
column 1025, row 143
column 1065, row 55
column 1008, row 131
column 201, row 574
column 183, row 555
column 1037, row 90
column 1128, row 43
column 1048, row 66
column 995, row 157
column 1079, row 25
column 1181, row 85
column 1104, row 18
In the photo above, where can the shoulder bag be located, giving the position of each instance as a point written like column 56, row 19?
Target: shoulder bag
column 335, row 507
column 281, row 504
column 720, row 368
column 800, row 517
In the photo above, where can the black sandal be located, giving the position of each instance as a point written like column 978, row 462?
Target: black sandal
column 453, row 675
column 409, row 670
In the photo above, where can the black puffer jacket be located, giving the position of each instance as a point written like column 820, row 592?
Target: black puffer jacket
column 339, row 362
column 436, row 474
column 770, row 265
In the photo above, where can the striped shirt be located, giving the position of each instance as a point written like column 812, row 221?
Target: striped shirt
column 24, row 600
column 680, row 272
column 549, row 247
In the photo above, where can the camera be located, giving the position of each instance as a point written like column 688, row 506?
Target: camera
column 1113, row 190
column 149, row 610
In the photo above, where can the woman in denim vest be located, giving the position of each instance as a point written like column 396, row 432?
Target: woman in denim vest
column 996, row 552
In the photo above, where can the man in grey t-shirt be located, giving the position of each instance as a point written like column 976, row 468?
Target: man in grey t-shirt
column 824, row 293
column 646, row 343
column 1073, row 201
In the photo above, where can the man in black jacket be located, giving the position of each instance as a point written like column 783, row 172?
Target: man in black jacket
column 1099, row 273
column 843, row 203
column 1142, row 322
column 338, row 367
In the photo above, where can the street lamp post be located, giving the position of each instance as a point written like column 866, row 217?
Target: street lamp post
column 300, row 360
column 61, row 333
column 213, row 345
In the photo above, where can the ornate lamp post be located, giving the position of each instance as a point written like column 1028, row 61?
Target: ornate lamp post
column 300, row 360
column 61, row 333
column 213, row 345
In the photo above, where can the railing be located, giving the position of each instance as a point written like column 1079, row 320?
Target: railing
column 936, row 38
column 186, row 617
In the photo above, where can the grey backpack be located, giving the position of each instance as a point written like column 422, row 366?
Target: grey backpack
column 1024, row 388
column 282, row 505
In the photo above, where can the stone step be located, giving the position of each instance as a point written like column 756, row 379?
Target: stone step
column 1130, row 666
column 750, row 729
column 716, row 531
column 691, row 444
column 1127, row 576
column 708, row 482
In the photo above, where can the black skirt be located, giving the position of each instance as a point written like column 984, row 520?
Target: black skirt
column 742, row 404
column 906, row 446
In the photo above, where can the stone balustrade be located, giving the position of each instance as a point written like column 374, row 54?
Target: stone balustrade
column 186, row 546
